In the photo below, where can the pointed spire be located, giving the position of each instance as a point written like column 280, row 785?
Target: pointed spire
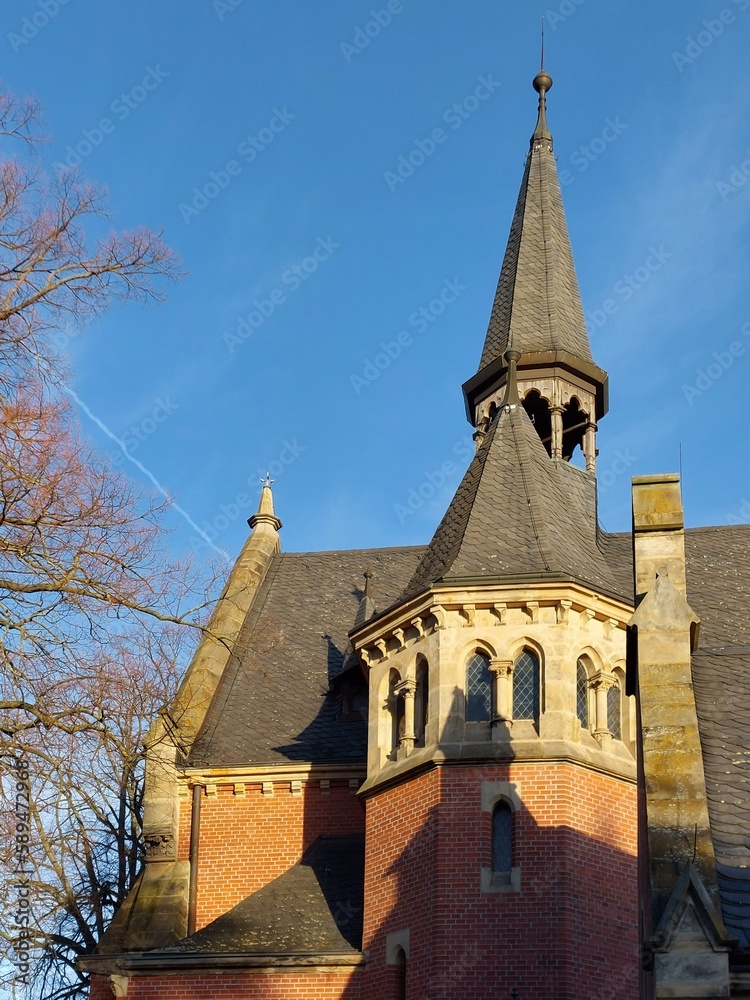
column 537, row 303
column 265, row 513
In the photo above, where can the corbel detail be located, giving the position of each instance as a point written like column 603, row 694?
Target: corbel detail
column 563, row 612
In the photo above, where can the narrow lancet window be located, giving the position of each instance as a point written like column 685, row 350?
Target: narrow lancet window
column 478, row 689
column 526, row 686
column 502, row 838
column 582, row 694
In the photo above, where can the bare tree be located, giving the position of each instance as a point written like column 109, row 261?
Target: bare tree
column 92, row 607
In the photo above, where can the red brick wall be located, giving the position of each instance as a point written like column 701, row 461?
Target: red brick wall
column 570, row 934
column 247, row 841
column 100, row 988
column 311, row 985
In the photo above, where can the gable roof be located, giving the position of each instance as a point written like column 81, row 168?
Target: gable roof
column 277, row 700
column 518, row 512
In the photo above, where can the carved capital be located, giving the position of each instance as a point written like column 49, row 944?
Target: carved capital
column 407, row 688
column 501, row 668
column 602, row 681
column 159, row 847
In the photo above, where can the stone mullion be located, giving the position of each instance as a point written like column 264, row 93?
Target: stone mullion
column 502, row 691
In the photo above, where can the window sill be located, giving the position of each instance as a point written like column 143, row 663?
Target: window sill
column 500, row 882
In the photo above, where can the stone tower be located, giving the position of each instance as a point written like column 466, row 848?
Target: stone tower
column 500, row 791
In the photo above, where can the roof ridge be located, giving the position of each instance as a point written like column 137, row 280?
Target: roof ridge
column 524, row 459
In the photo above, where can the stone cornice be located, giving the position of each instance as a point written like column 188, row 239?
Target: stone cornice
column 259, row 773
column 537, row 752
column 430, row 611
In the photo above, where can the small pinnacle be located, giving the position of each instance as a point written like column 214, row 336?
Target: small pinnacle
column 268, row 481
column 511, row 386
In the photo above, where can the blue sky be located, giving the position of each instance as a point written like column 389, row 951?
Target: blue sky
column 264, row 136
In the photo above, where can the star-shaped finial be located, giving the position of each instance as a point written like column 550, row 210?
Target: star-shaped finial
column 268, row 481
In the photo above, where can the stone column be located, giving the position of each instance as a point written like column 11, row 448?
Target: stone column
column 589, row 446
column 502, row 690
column 556, row 413
column 601, row 683
column 408, row 689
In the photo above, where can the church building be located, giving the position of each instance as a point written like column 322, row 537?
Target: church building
column 513, row 763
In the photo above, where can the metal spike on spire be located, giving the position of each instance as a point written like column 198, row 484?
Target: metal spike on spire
column 542, row 64
column 542, row 84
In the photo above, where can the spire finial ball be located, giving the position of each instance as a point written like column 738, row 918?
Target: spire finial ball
column 542, row 82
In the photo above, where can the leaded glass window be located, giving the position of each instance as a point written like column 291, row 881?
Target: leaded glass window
column 614, row 711
column 502, row 838
column 582, row 694
column 526, row 686
column 478, row 689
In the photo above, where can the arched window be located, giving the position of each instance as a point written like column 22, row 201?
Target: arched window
column 421, row 702
column 502, row 839
column 614, row 710
column 400, row 974
column 478, row 689
column 582, row 694
column 526, row 686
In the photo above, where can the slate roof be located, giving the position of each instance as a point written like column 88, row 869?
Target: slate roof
column 718, row 585
column 314, row 908
column 278, row 700
column 537, row 304
column 518, row 512
column 718, row 561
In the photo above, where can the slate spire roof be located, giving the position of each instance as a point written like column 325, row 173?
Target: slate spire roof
column 517, row 512
column 537, row 305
